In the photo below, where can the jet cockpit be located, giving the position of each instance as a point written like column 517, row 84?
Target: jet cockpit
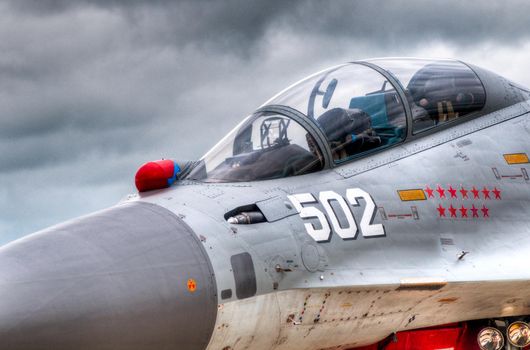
column 346, row 112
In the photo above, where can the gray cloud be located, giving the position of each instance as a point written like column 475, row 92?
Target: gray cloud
column 91, row 89
column 406, row 23
column 233, row 24
column 239, row 24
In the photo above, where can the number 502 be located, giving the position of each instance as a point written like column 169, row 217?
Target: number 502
column 323, row 234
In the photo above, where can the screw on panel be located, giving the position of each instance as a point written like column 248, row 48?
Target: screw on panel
column 300, row 318
column 411, row 320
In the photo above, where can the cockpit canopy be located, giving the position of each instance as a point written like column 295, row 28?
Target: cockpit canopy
column 342, row 113
column 266, row 145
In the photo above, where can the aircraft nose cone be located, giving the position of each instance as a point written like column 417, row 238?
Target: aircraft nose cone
column 117, row 279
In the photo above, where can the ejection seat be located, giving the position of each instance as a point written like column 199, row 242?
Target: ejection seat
column 349, row 131
column 376, row 105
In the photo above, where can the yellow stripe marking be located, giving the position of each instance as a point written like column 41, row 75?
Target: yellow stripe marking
column 516, row 158
column 412, row 195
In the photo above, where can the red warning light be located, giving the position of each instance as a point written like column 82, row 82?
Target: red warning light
column 156, row 175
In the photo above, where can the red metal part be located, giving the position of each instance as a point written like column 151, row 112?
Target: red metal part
column 460, row 336
column 155, row 175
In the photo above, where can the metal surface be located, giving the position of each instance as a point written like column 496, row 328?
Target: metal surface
column 113, row 280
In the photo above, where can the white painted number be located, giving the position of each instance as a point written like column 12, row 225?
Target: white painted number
column 319, row 234
column 323, row 234
column 368, row 229
column 345, row 233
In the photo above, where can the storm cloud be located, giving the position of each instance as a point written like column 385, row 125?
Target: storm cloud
column 91, row 89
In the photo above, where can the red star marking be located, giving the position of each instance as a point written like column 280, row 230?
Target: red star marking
column 452, row 210
column 452, row 191
column 463, row 211
column 485, row 211
column 474, row 210
column 430, row 192
column 464, row 192
column 497, row 193
column 441, row 210
column 486, row 193
column 475, row 192
column 440, row 191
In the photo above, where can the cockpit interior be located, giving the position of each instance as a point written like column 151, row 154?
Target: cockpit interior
column 347, row 111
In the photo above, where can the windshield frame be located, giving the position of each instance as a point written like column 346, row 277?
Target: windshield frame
column 402, row 96
column 307, row 124
column 287, row 112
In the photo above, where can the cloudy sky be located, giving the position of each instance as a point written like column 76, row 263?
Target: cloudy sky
column 91, row 89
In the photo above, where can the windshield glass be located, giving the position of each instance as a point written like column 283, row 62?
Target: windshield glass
column 265, row 146
column 355, row 106
column 439, row 91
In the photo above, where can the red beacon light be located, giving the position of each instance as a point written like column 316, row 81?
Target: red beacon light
column 156, row 175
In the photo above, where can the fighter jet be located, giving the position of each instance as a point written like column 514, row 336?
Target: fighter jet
column 377, row 204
